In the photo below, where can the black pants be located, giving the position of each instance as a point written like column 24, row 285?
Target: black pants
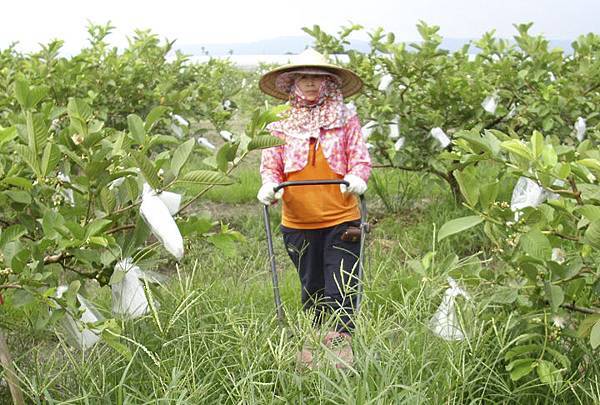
column 328, row 270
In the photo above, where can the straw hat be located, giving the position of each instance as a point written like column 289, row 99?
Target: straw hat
column 277, row 82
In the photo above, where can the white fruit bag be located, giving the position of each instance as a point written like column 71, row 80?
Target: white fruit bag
column 394, row 129
column 368, row 128
column 580, row 128
column 384, row 83
column 440, row 136
column 128, row 295
column 527, row 193
column 78, row 333
column 399, row 144
column 205, row 143
column 490, row 103
column 226, row 135
column 444, row 321
column 67, row 192
column 158, row 217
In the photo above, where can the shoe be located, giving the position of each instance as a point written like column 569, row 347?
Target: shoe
column 340, row 344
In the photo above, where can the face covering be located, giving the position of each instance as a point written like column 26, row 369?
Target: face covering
column 306, row 118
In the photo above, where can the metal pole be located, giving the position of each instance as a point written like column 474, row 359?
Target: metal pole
column 274, row 277
column 361, row 256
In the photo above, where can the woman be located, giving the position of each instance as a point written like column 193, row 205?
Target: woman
column 323, row 142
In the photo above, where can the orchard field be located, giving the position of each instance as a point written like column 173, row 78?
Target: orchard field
column 128, row 180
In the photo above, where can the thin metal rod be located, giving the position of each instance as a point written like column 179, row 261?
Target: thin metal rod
column 361, row 255
column 308, row 183
column 274, row 277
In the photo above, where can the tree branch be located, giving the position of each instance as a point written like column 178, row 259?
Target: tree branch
column 120, row 228
column 573, row 307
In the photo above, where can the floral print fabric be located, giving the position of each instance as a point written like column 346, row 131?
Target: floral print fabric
column 343, row 147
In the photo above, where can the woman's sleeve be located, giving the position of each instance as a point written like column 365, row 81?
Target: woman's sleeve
column 271, row 163
column 359, row 161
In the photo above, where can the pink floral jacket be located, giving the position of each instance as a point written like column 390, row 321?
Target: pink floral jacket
column 344, row 149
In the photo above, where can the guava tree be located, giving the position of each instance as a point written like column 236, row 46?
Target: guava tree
column 417, row 95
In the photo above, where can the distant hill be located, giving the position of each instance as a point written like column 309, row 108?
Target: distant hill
column 296, row 44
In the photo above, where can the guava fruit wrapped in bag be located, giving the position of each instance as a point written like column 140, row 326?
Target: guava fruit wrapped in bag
column 444, row 321
column 129, row 298
column 80, row 336
column 156, row 210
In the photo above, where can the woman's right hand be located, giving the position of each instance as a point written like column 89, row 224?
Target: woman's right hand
column 267, row 194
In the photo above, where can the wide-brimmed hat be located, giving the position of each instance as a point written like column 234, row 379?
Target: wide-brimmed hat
column 278, row 81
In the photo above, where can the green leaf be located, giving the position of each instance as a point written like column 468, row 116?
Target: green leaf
column 488, row 194
column 536, row 245
column 28, row 97
column 469, row 186
column 555, row 295
column 161, row 140
column 148, row 170
column 37, row 133
column 264, row 141
column 593, row 164
column 79, row 109
column 181, row 155
column 519, row 350
column 505, row 295
column 225, row 155
column 547, row 372
column 458, row 225
column 153, row 116
column 7, row 135
column 587, row 324
column 475, row 141
column 11, row 233
column 136, row 128
column 595, row 335
column 563, row 170
column 50, row 222
column 206, row 177
column 592, row 234
column 96, row 226
column 537, row 144
column 518, row 148
column 520, row 368
column 590, row 212
column 28, row 157
column 20, row 182
column 108, row 200
column 22, row 93
column 549, row 156
column 19, row 196
column 50, row 158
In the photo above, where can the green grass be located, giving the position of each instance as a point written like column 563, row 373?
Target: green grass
column 216, row 339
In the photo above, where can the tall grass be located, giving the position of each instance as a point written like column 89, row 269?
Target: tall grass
column 215, row 338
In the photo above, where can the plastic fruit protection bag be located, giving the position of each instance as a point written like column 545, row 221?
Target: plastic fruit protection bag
column 444, row 321
column 78, row 333
column 156, row 210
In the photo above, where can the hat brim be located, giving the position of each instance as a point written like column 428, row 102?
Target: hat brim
column 350, row 82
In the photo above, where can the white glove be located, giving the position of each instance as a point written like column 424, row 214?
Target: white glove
column 267, row 196
column 356, row 185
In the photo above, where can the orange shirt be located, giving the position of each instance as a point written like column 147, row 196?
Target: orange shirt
column 313, row 207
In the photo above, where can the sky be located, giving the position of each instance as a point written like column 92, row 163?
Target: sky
column 224, row 21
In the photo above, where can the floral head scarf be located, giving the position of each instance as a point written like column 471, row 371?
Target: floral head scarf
column 306, row 118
